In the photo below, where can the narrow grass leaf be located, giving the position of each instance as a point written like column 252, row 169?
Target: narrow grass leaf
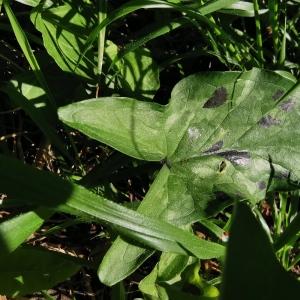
column 124, row 258
column 134, row 5
column 289, row 234
column 38, row 118
column 68, row 197
column 25, row 46
column 153, row 34
column 101, row 39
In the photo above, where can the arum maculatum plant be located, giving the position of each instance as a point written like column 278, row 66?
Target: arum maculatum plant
column 224, row 138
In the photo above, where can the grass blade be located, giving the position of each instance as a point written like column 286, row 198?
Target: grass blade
column 258, row 33
column 274, row 18
column 289, row 234
column 26, row 48
column 39, row 118
column 101, row 39
column 71, row 198
column 124, row 257
column 134, row 5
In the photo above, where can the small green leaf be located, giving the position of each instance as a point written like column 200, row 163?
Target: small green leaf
column 137, row 73
column 26, row 224
column 251, row 267
column 64, row 37
column 173, row 277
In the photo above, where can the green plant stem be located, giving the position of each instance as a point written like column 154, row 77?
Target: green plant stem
column 274, row 16
column 282, row 53
column 102, row 13
column 258, row 33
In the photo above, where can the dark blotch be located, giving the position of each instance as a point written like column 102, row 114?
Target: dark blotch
column 241, row 158
column 218, row 98
column 215, row 147
column 221, row 196
column 282, row 175
column 287, row 105
column 261, row 185
column 268, row 121
column 278, row 94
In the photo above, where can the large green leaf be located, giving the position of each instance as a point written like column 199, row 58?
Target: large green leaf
column 46, row 189
column 64, row 30
column 29, row 270
column 224, row 135
column 252, row 270
column 139, row 125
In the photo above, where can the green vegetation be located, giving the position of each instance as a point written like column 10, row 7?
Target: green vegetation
column 149, row 149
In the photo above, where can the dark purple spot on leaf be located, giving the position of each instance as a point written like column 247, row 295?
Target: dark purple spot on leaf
column 287, row 105
column 278, row 94
column 268, row 121
column 282, row 175
column 215, row 147
column 221, row 196
column 218, row 98
column 261, row 185
column 241, row 158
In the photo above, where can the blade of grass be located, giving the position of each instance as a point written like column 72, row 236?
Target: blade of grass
column 155, row 33
column 282, row 53
column 259, row 43
column 274, row 18
column 51, row 105
column 102, row 13
column 43, row 188
column 134, row 5
column 26, row 48
column 126, row 257
column 36, row 116
column 289, row 234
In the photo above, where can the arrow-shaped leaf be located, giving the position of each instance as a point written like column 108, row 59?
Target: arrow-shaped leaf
column 224, row 135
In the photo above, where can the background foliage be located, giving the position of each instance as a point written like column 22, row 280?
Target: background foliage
column 149, row 149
